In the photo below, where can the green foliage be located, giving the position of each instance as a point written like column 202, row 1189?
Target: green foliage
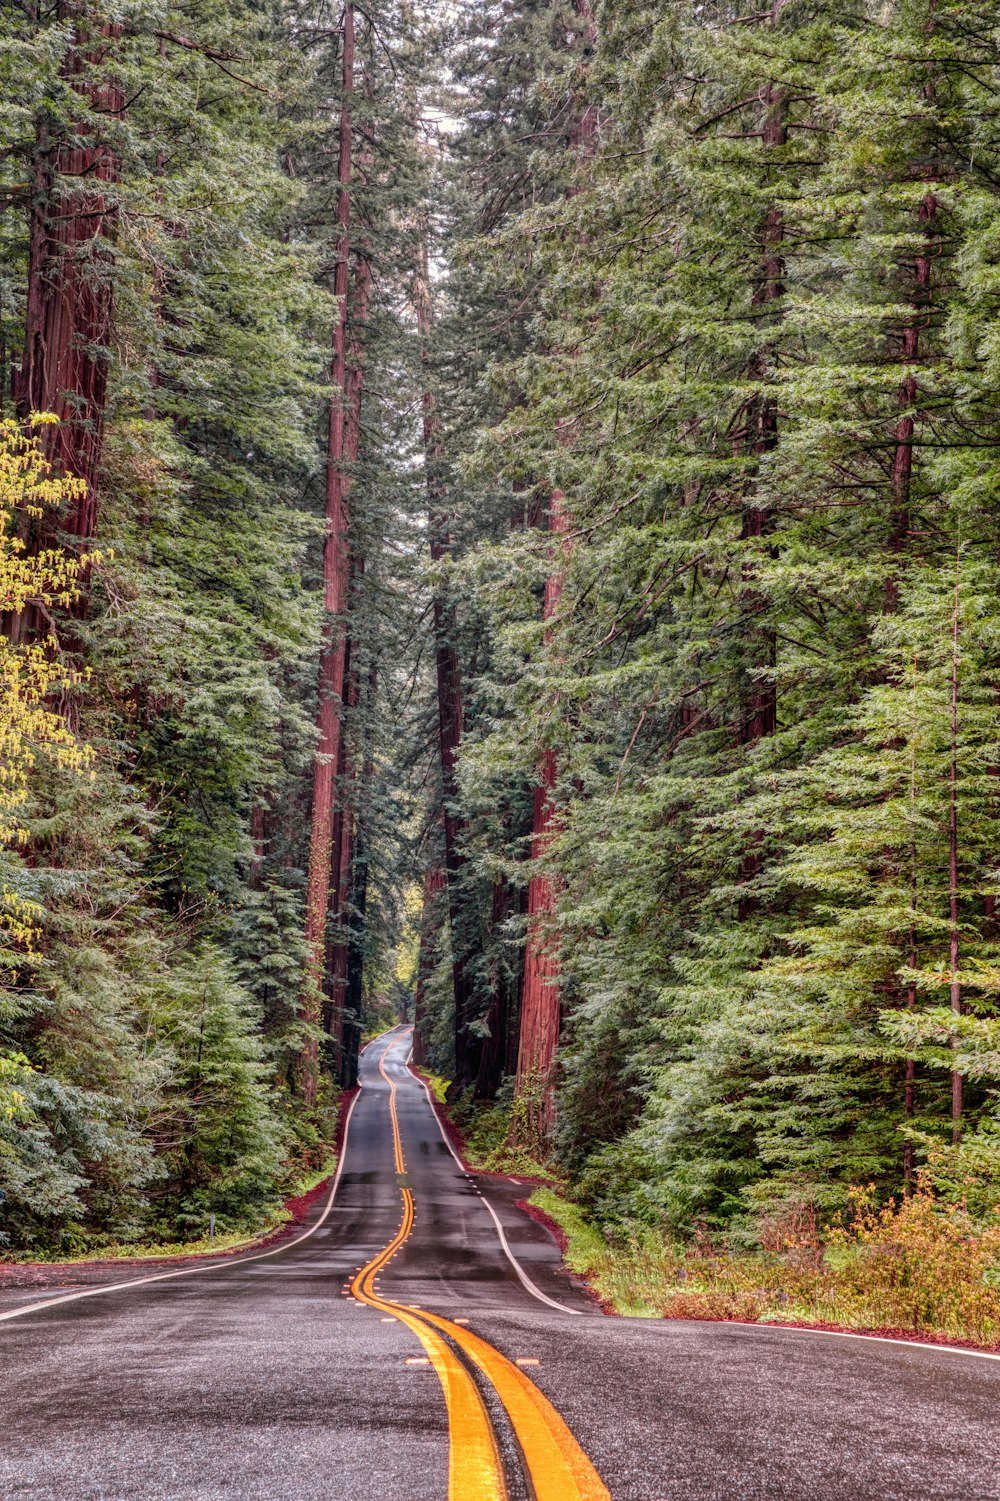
column 759, row 372
column 726, row 284
column 222, row 1143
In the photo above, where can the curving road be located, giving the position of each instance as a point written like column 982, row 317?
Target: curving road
column 395, row 1351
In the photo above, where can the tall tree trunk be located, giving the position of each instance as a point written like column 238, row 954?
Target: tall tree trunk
column 335, row 588
column 450, row 712
column 64, row 365
column 541, row 1000
column 953, row 944
column 342, row 843
column 541, row 996
column 434, row 882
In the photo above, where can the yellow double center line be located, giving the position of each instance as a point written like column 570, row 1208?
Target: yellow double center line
column 556, row 1466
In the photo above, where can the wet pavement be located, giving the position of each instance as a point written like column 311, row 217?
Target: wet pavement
column 260, row 1379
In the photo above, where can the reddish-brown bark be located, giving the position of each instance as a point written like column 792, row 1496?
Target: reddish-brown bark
column 450, row 713
column 434, row 882
column 541, row 1005
column 64, row 368
column 541, row 998
column 335, row 590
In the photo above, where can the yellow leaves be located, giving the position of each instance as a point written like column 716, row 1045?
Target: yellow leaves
column 31, row 673
column 12, row 1099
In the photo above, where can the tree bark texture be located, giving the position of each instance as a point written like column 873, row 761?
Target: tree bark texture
column 335, row 590
column 541, row 997
column 450, row 717
column 541, row 1002
column 64, row 368
column 434, row 883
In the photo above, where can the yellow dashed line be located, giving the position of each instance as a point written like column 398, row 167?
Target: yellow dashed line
column 557, row 1465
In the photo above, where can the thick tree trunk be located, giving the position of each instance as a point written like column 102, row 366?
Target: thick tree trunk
column 541, row 1000
column 64, row 366
column 450, row 717
column 260, row 821
column 953, row 946
column 541, row 996
column 434, row 883
column 335, row 588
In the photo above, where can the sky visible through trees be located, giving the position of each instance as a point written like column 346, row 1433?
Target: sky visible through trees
column 500, row 519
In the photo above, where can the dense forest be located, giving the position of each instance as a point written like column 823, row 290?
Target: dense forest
column 501, row 524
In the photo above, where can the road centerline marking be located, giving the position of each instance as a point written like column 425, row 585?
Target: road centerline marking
column 555, row 1465
column 475, row 1471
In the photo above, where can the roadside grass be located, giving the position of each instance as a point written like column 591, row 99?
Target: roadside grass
column 921, row 1268
column 925, row 1267
column 437, row 1085
column 487, row 1134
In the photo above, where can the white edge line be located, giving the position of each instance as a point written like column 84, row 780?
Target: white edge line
column 526, row 1281
column 192, row 1271
column 881, row 1339
column 870, row 1339
column 223, row 1262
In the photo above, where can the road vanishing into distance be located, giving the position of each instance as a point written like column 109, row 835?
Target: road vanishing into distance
column 417, row 1341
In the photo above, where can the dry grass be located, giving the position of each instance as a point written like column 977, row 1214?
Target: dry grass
column 923, row 1267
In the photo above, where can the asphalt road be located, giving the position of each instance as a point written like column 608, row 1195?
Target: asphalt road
column 266, row 1378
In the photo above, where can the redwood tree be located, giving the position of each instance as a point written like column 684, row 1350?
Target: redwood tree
column 541, row 1012
column 335, row 590
column 70, row 281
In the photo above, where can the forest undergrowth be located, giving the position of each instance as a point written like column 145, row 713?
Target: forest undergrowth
column 483, row 1129
column 927, row 1266
column 924, row 1267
